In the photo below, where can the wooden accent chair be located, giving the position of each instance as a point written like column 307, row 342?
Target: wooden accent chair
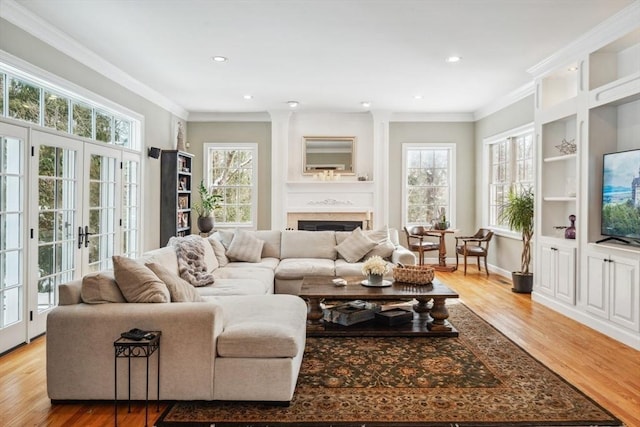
column 474, row 246
column 416, row 241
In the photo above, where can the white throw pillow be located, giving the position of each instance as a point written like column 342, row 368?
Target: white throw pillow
column 356, row 246
column 245, row 247
column 384, row 248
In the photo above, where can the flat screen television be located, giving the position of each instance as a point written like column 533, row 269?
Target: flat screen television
column 621, row 196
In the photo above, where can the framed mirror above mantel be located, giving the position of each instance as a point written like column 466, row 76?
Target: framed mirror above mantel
column 328, row 153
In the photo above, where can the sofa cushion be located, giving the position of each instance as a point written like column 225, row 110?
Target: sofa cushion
column 219, row 250
column 384, row 248
column 225, row 287
column 274, row 327
column 272, row 240
column 270, row 263
column 263, row 275
column 308, row 244
column 344, row 268
column 179, row 289
column 137, row 283
column 245, row 247
column 354, row 247
column 100, row 288
column 297, row 268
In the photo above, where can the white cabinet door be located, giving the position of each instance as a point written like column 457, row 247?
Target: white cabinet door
column 566, row 275
column 625, row 300
column 546, row 271
column 597, row 284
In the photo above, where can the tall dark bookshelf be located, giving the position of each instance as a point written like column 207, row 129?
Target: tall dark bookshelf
column 175, row 194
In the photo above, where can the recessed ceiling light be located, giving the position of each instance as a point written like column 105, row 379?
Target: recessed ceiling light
column 293, row 104
column 454, row 59
column 417, row 96
column 365, row 104
column 247, row 96
column 220, row 59
column 574, row 68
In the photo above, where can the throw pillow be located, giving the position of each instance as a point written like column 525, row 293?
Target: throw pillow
column 179, row 289
column 245, row 247
column 226, row 237
column 219, row 251
column 137, row 283
column 100, row 288
column 354, row 247
column 384, row 248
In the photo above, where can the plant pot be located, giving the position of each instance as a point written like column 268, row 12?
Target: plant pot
column 375, row 279
column 205, row 223
column 522, row 282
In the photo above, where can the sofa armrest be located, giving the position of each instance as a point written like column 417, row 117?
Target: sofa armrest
column 402, row 255
column 80, row 352
column 69, row 293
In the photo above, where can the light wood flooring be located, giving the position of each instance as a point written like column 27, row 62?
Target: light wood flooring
column 604, row 369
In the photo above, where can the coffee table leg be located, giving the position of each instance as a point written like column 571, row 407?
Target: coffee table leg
column 440, row 314
column 422, row 308
column 314, row 314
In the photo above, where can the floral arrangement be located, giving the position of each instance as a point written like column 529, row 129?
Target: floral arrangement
column 375, row 265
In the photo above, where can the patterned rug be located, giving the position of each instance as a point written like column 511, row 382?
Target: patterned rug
column 480, row 378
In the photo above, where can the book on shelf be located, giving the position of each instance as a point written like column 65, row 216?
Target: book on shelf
column 351, row 312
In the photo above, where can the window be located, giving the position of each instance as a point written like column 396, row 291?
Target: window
column 509, row 160
column 32, row 100
column 428, row 182
column 231, row 170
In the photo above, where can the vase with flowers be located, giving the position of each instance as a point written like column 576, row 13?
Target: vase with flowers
column 375, row 268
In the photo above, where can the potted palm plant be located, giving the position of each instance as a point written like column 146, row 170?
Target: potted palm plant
column 209, row 202
column 517, row 212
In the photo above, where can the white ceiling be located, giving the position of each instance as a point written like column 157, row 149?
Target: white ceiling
column 330, row 55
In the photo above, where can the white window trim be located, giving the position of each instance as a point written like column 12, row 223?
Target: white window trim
column 486, row 171
column 451, row 215
column 254, row 196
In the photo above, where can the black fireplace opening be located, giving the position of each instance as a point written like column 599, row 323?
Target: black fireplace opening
column 329, row 225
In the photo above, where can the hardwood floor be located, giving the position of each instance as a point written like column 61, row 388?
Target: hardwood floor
column 604, row 369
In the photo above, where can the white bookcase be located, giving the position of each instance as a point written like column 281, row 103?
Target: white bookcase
column 592, row 99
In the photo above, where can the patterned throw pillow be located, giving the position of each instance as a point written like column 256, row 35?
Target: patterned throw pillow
column 137, row 283
column 179, row 289
column 245, row 247
column 356, row 246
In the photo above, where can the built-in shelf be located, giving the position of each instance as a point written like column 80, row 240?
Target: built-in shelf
column 560, row 158
column 559, row 199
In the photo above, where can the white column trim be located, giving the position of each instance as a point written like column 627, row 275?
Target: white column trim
column 280, row 121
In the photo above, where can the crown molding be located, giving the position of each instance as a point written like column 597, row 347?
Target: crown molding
column 507, row 100
column 602, row 34
column 44, row 31
column 196, row 116
column 431, row 117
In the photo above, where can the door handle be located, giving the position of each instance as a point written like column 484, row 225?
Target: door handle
column 80, row 237
column 86, row 236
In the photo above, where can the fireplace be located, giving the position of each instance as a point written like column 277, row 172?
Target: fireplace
column 321, row 225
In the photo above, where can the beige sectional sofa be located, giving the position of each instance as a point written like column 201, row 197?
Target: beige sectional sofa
column 243, row 341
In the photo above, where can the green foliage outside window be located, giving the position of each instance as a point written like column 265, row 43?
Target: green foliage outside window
column 56, row 112
column 232, row 177
column 427, row 184
column 82, row 115
column 24, row 101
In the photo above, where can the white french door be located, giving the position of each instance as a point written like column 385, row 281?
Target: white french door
column 13, row 233
column 75, row 216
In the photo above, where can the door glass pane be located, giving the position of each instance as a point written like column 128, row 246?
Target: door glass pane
column 57, row 187
column 11, row 231
column 102, row 204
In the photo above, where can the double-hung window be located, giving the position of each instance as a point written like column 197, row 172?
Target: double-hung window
column 428, row 172
column 509, row 161
column 231, row 170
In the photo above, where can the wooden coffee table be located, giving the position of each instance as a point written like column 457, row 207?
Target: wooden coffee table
column 430, row 319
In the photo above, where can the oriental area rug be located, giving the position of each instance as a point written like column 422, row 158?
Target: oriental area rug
column 480, row 378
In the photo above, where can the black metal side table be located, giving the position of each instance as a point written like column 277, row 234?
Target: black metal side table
column 126, row 348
